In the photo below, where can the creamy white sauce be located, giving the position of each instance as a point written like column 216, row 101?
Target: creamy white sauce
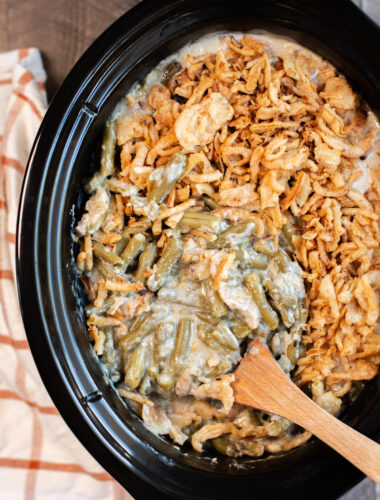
column 200, row 355
column 290, row 282
column 276, row 46
column 372, row 158
column 239, row 299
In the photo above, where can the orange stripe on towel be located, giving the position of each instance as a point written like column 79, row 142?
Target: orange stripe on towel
column 17, row 344
column 13, row 163
column 18, row 463
column 30, row 102
column 48, row 410
column 6, row 274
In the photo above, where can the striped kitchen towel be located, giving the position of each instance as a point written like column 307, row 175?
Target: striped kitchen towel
column 39, row 456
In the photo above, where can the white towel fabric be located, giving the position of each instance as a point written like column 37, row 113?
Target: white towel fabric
column 40, row 458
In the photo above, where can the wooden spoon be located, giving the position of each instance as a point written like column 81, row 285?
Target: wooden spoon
column 260, row 382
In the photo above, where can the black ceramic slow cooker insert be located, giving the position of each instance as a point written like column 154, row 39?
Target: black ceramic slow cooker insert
column 52, row 299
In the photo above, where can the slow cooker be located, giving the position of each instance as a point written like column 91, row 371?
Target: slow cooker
column 52, row 299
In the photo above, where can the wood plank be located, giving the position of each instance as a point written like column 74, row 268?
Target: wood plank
column 61, row 29
column 3, row 24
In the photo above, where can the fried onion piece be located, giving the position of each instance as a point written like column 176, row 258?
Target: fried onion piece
column 210, row 431
column 338, row 93
column 359, row 370
column 198, row 123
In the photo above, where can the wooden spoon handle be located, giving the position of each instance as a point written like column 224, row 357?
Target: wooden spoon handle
column 277, row 394
column 358, row 449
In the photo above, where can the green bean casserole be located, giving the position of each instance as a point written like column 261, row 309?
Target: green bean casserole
column 237, row 198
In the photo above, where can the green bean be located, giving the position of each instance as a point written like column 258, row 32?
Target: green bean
column 170, row 254
column 135, row 368
column 287, row 315
column 106, row 255
column 252, row 282
column 221, row 444
column 222, row 367
column 206, row 318
column 182, row 345
column 262, row 330
column 283, row 260
column 165, row 178
column 111, row 356
column 285, row 303
column 129, row 231
column 210, row 202
column 224, row 337
column 250, row 447
column 278, row 426
column 203, row 333
column 91, row 309
column 107, row 155
column 120, row 245
column 200, row 220
column 227, row 446
column 218, row 338
column 234, row 234
column 166, row 380
column 240, row 329
column 269, row 285
column 133, row 248
column 251, row 259
column 280, row 298
column 107, row 271
column 139, row 329
column 213, row 299
column 287, row 233
column 302, row 314
column 163, row 332
column 169, row 71
column 266, row 247
column 144, row 224
column 292, row 354
column 146, row 261
column 145, row 386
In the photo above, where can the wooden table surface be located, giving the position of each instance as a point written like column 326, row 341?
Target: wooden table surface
column 62, row 30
